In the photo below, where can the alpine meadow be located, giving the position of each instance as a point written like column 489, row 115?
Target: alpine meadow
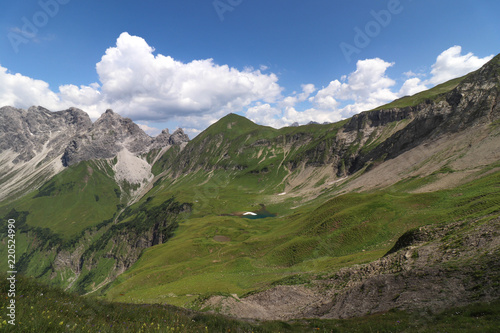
column 249, row 166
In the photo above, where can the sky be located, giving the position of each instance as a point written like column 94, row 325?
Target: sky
column 187, row 63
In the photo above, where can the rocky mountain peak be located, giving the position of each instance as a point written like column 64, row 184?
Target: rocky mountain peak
column 29, row 132
column 163, row 139
column 110, row 134
column 117, row 125
column 71, row 133
column 107, row 136
column 178, row 137
column 76, row 117
column 166, row 139
column 32, row 142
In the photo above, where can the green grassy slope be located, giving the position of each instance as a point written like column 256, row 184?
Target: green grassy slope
column 67, row 213
column 349, row 229
column 236, row 143
column 236, row 165
column 78, row 197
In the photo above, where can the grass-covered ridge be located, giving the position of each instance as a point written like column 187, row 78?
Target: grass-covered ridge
column 427, row 95
column 441, row 89
column 236, row 143
column 41, row 309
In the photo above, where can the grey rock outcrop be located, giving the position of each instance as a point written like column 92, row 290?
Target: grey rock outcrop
column 178, row 137
column 110, row 134
column 36, row 144
column 28, row 132
column 107, row 136
column 165, row 139
column 474, row 101
column 31, row 144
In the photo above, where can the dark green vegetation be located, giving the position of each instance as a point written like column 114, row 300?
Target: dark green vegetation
column 43, row 309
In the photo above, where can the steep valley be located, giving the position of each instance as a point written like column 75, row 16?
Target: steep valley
column 394, row 208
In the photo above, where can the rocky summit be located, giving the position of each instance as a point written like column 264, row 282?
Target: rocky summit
column 29, row 132
column 110, row 134
column 36, row 144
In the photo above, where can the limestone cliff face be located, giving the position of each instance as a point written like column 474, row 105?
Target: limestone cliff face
column 36, row 144
column 387, row 133
column 31, row 145
column 36, row 130
column 110, row 134
column 473, row 102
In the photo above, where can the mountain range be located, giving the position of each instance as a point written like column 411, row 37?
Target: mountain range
column 394, row 208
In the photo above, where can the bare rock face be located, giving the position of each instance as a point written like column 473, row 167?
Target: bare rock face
column 473, row 102
column 31, row 145
column 165, row 139
column 36, row 144
column 110, row 134
column 36, row 130
column 178, row 137
column 107, row 136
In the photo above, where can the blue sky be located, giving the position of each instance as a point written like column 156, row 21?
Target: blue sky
column 188, row 63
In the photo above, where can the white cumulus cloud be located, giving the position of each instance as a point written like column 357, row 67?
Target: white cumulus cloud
column 412, row 86
column 451, row 64
column 266, row 114
column 21, row 91
column 307, row 90
column 153, row 88
column 138, row 84
column 365, row 88
column 141, row 85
